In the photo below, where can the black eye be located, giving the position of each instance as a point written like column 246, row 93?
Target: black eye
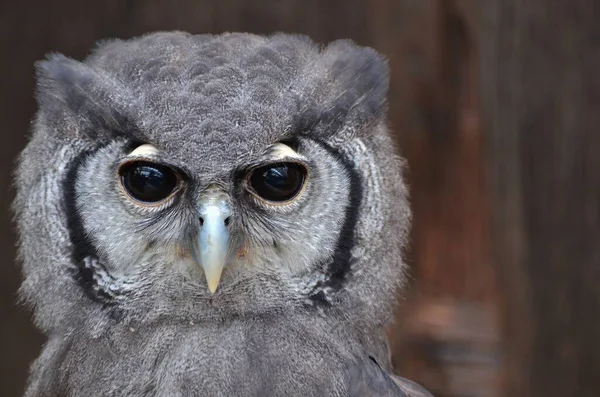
column 148, row 182
column 278, row 182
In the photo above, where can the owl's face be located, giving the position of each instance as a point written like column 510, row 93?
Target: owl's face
column 176, row 175
column 272, row 214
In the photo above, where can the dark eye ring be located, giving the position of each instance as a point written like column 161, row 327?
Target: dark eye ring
column 148, row 182
column 279, row 182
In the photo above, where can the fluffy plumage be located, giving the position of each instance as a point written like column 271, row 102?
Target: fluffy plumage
column 303, row 308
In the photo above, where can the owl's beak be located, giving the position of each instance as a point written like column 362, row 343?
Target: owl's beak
column 212, row 243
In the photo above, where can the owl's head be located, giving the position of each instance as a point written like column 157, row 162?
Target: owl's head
column 186, row 176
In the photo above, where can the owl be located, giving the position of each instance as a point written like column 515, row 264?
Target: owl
column 213, row 215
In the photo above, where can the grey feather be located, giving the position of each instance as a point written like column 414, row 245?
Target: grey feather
column 307, row 301
column 367, row 378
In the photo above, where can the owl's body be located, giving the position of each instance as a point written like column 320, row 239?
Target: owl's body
column 279, row 355
column 212, row 215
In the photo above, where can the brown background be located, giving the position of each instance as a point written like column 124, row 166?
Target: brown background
column 493, row 103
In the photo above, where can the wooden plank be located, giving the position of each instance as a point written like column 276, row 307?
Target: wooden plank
column 540, row 94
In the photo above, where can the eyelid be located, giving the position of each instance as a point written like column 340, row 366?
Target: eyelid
column 282, row 152
column 150, row 153
column 145, row 150
column 283, row 160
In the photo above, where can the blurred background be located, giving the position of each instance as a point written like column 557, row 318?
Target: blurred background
column 494, row 103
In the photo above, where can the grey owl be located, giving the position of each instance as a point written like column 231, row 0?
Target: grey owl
column 208, row 215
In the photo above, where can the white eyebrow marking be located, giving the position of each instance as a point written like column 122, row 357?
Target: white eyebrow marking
column 144, row 150
column 281, row 151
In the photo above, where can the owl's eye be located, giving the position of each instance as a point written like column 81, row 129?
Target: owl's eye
column 148, row 182
column 278, row 182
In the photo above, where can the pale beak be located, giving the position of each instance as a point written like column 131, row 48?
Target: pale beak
column 211, row 247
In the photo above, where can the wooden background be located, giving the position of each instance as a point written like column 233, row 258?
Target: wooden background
column 494, row 104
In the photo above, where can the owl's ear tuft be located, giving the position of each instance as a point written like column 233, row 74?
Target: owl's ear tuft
column 73, row 99
column 354, row 92
column 363, row 75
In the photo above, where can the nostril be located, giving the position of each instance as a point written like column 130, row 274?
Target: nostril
column 201, row 221
column 227, row 220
